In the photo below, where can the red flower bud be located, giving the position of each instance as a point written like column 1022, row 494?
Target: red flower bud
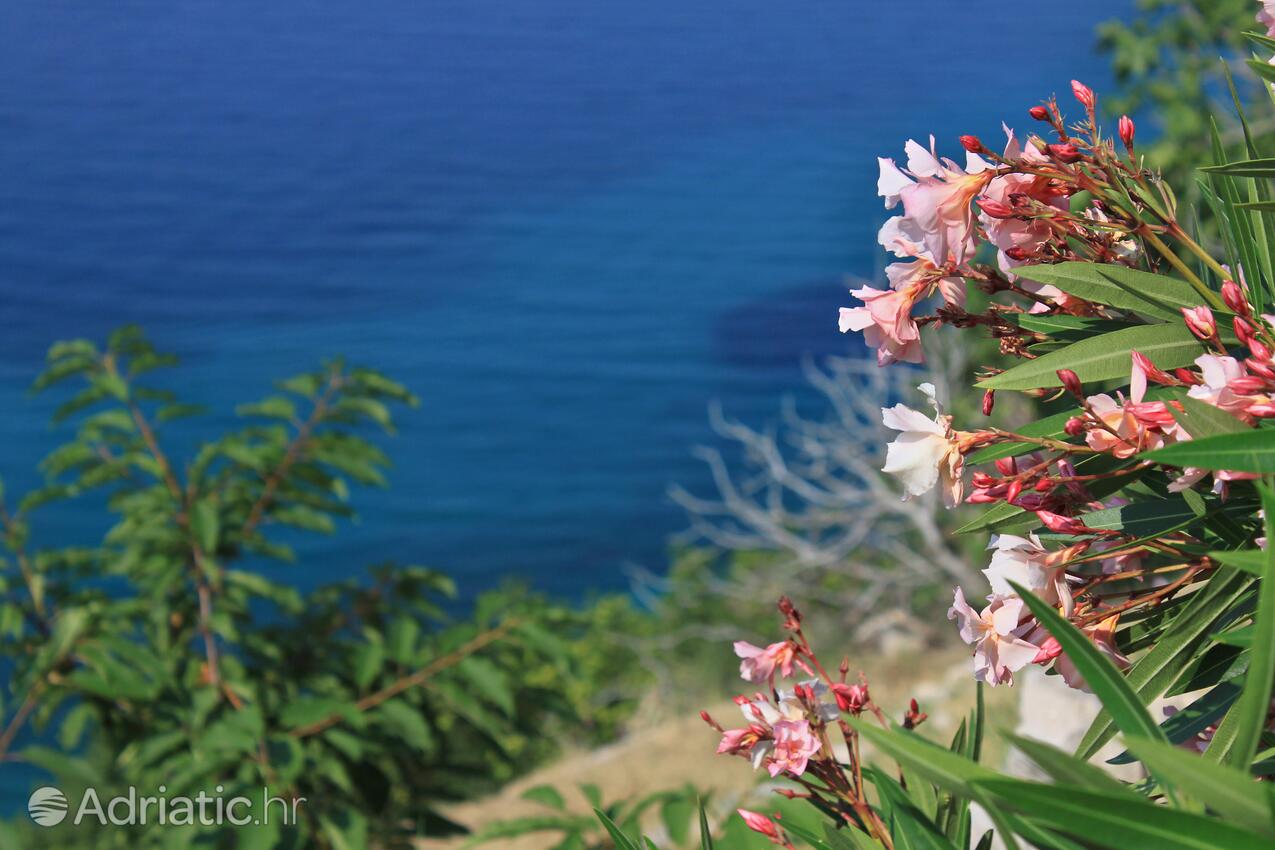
column 1083, row 93
column 1126, row 130
column 1040, row 113
column 1186, row 376
column 1065, row 152
column 1050, row 649
column 1200, row 321
column 1243, row 330
column 1257, row 367
column 1062, row 524
column 1262, row 411
column 758, row 822
column 850, row 698
column 1246, row 384
column 1075, row 426
column 995, row 209
column 972, row 144
column 1015, row 490
column 1234, row 297
column 1259, row 349
column 1071, row 382
column 1018, row 252
column 1044, row 484
column 989, row 401
column 1152, row 371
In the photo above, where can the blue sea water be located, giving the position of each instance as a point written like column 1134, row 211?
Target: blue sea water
column 567, row 225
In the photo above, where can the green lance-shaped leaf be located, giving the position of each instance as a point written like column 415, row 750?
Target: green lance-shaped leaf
column 1230, row 793
column 1101, row 820
column 1066, row 769
column 1099, row 673
column 948, row 770
column 622, row 841
column 1238, row 736
column 1155, row 671
column 705, row 834
column 1104, row 357
column 1117, row 286
column 1201, row 419
column 1264, row 167
column 1252, row 561
column 1252, row 450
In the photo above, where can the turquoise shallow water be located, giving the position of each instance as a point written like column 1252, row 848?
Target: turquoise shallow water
column 567, row 225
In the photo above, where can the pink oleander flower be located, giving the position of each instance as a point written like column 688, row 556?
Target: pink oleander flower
column 850, row 698
column 1103, row 636
column 937, row 195
column 759, row 664
column 1266, row 17
column 1220, row 378
column 742, row 741
column 885, row 319
column 1024, row 561
column 825, row 702
column 886, row 315
column 1131, row 425
column 927, row 451
column 793, row 746
column 999, row 651
column 1023, row 236
column 759, row 823
column 1217, row 373
column 759, row 740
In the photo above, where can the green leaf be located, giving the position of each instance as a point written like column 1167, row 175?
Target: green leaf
column 489, row 682
column 1099, row 673
column 205, row 522
column 1123, row 824
column 307, row 710
column 1264, row 167
column 1143, row 519
column 1251, row 561
column 944, row 768
column 1101, row 358
column 1250, row 451
column 1117, row 286
column 1237, row 738
column 912, row 829
column 1232, row 794
column 705, row 834
column 622, row 841
column 1066, row 769
column 1152, row 674
column 1205, row 420
column 368, row 661
column 545, row 795
column 408, row 722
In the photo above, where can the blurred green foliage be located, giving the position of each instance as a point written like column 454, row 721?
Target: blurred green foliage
column 1168, row 62
column 173, row 652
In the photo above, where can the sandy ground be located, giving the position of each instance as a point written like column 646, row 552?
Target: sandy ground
column 671, row 752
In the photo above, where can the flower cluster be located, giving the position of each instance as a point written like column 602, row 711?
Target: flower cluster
column 1019, row 202
column 1131, row 508
column 1025, row 205
column 800, row 732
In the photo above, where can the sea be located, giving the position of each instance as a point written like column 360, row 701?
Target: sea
column 567, row 225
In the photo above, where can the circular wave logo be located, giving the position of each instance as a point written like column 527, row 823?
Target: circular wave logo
column 47, row 806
